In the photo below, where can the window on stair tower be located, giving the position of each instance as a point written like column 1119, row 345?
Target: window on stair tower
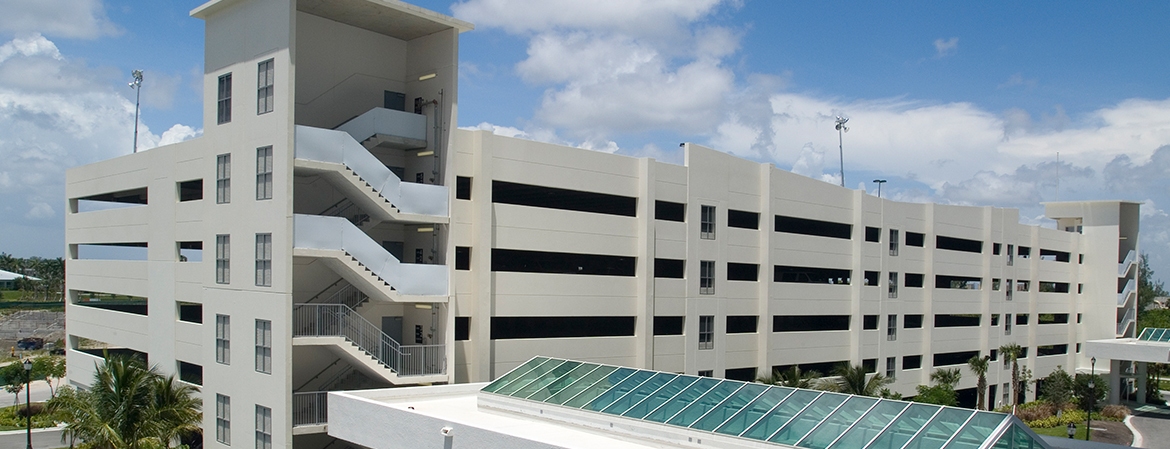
column 263, row 260
column 264, row 87
column 223, row 104
column 223, row 179
column 264, row 346
column 223, row 339
column 707, row 332
column 223, row 419
column 707, row 222
column 263, row 427
column 264, row 173
column 222, row 259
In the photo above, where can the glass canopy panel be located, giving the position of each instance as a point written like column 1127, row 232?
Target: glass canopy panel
column 808, row 419
column 977, row 430
column 1154, row 334
column 569, row 378
column 608, row 396
column 529, row 377
column 836, row 424
column 905, row 426
column 603, row 378
column 512, row 375
column 653, row 401
column 729, row 408
column 547, row 379
column 1165, row 335
column 682, row 400
column 1145, row 335
column 1021, row 439
column 941, row 428
column 868, row 427
column 709, row 401
column 781, row 414
column 751, row 413
column 620, row 405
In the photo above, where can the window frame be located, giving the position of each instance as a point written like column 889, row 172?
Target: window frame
column 223, row 259
column 264, row 260
column 223, row 339
column 223, row 99
column 264, row 173
column 263, row 340
column 892, row 287
column 223, row 419
column 223, row 178
column 706, row 332
column 265, row 86
column 707, row 222
column 706, row 277
column 263, row 427
column 893, row 242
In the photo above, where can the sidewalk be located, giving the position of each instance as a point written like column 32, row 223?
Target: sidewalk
column 41, row 439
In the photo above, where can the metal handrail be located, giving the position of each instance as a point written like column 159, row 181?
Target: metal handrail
column 1125, row 321
column 1122, row 298
column 1123, row 267
column 349, row 295
column 310, row 408
column 338, row 320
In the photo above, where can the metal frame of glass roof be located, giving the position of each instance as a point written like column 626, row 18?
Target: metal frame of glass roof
column 1155, row 334
column 784, row 416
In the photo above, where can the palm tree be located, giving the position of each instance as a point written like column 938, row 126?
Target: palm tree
column 978, row 366
column 1012, row 353
column 853, row 379
column 948, row 377
column 129, row 406
column 793, row 377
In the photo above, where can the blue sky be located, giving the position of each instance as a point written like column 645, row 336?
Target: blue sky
column 952, row 102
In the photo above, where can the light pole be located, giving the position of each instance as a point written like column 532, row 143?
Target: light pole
column 137, row 86
column 27, row 402
column 879, row 182
column 1092, row 396
column 841, row 128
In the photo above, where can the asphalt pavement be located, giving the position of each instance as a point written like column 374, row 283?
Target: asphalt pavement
column 1154, row 424
column 41, row 439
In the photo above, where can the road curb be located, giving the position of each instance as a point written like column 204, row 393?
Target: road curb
column 1137, row 436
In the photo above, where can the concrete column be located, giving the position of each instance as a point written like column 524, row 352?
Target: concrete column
column 1141, row 382
column 1114, row 381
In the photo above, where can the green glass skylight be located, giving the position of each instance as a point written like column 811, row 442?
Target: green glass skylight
column 783, row 416
column 1155, row 334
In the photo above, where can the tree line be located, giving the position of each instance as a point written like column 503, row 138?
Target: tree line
column 51, row 273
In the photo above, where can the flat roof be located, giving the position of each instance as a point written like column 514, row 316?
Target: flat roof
column 571, row 404
column 389, row 17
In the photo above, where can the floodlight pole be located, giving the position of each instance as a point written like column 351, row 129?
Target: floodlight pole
column 27, row 402
column 137, row 86
column 879, row 182
column 1092, row 396
column 841, row 129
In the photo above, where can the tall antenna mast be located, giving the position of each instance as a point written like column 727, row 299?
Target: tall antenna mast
column 841, row 128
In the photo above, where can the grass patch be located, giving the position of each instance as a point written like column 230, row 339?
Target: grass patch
column 12, row 418
column 1060, row 431
column 1165, row 385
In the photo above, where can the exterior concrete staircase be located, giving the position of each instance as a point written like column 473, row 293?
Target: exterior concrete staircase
column 349, row 336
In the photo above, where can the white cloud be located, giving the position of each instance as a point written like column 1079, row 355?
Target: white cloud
column 644, row 17
column 945, row 47
column 56, row 113
column 83, row 19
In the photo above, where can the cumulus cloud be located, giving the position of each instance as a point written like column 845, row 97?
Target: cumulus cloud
column 82, row 19
column 945, row 47
column 56, row 113
column 653, row 17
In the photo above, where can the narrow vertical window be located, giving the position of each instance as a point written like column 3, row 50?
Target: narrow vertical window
column 891, row 364
column 893, row 284
column 264, row 346
column 707, row 277
column 223, row 104
column 264, row 82
column 223, row 339
column 893, row 242
column 1009, row 289
column 223, row 259
column 1011, row 253
column 707, row 332
column 263, row 260
column 223, row 419
column 891, row 327
column 707, row 223
column 263, row 427
column 264, row 173
column 1007, row 324
column 223, row 179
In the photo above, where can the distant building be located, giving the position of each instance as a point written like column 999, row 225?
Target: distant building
column 8, row 279
column 333, row 229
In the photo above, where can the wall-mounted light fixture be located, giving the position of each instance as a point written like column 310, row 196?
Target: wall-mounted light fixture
column 427, row 76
